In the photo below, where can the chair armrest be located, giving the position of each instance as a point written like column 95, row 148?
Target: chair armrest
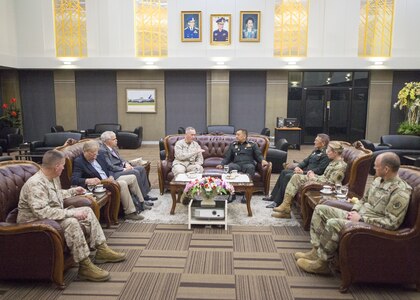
column 42, row 226
column 114, row 188
column 344, row 205
column 35, row 144
column 78, row 201
column 14, row 140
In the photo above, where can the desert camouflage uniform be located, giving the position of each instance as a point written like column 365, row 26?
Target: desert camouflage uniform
column 41, row 199
column 384, row 204
column 334, row 173
column 186, row 158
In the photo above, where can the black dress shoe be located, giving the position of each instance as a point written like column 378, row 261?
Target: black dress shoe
column 150, row 198
column 243, row 200
column 267, row 198
column 231, row 198
column 147, row 203
column 272, row 205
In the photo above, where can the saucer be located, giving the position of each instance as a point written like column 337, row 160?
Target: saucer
column 326, row 192
column 341, row 196
column 100, row 191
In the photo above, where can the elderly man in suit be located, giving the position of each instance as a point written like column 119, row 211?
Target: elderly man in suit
column 91, row 168
column 119, row 166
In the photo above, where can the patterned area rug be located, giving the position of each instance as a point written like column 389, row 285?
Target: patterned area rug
column 237, row 213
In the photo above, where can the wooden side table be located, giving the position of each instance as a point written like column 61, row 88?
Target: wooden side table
column 291, row 134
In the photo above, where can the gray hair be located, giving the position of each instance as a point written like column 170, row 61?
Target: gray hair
column 188, row 129
column 91, row 145
column 51, row 158
column 325, row 138
column 107, row 135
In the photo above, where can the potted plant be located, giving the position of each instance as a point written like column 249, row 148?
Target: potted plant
column 11, row 114
column 409, row 101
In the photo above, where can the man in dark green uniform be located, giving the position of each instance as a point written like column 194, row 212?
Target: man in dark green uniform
column 317, row 161
column 243, row 155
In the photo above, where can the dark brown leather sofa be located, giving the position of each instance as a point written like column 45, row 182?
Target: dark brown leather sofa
column 73, row 151
column 215, row 147
column 34, row 250
column 358, row 163
column 368, row 253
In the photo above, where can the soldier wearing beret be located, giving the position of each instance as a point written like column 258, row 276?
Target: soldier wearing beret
column 384, row 204
column 220, row 34
column 242, row 155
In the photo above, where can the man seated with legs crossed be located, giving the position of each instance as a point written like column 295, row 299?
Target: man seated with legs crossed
column 317, row 161
column 91, row 168
column 384, row 204
column 119, row 166
column 41, row 197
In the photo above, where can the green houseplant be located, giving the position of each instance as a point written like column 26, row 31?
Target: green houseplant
column 409, row 101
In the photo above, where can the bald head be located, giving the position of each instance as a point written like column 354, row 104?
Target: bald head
column 390, row 160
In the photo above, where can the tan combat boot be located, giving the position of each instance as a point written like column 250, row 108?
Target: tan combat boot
column 286, row 206
column 281, row 215
column 88, row 271
column 311, row 255
column 314, row 266
column 105, row 254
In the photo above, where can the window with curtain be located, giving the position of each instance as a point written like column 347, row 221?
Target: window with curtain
column 151, row 21
column 70, row 28
column 291, row 28
column 375, row 30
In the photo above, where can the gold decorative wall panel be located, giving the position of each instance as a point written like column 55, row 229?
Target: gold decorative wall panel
column 375, row 30
column 70, row 28
column 151, row 28
column 291, row 28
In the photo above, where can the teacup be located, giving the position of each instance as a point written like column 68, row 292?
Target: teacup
column 327, row 188
column 234, row 173
column 99, row 188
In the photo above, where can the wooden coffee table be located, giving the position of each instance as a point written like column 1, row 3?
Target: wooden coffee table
column 177, row 187
column 103, row 200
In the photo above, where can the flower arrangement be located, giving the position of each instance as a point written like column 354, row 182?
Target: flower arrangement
column 409, row 100
column 11, row 113
column 208, row 187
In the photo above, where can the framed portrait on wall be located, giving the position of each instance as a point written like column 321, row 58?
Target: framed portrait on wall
column 191, row 26
column 220, row 33
column 249, row 30
column 141, row 100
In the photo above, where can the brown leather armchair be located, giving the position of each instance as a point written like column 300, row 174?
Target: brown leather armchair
column 358, row 163
column 368, row 253
column 33, row 250
column 73, row 151
column 215, row 147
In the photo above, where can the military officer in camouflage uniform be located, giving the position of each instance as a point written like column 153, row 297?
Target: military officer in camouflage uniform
column 384, row 204
column 317, row 161
column 333, row 174
column 243, row 154
column 41, row 198
column 188, row 154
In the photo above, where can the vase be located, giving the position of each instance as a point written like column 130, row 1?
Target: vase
column 208, row 201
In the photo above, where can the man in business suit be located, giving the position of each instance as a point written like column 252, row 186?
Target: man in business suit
column 122, row 167
column 89, row 168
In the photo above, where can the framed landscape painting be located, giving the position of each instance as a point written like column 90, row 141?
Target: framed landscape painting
column 191, row 26
column 141, row 100
column 220, row 29
column 250, row 26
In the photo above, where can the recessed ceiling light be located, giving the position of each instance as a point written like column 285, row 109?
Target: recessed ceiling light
column 379, row 62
